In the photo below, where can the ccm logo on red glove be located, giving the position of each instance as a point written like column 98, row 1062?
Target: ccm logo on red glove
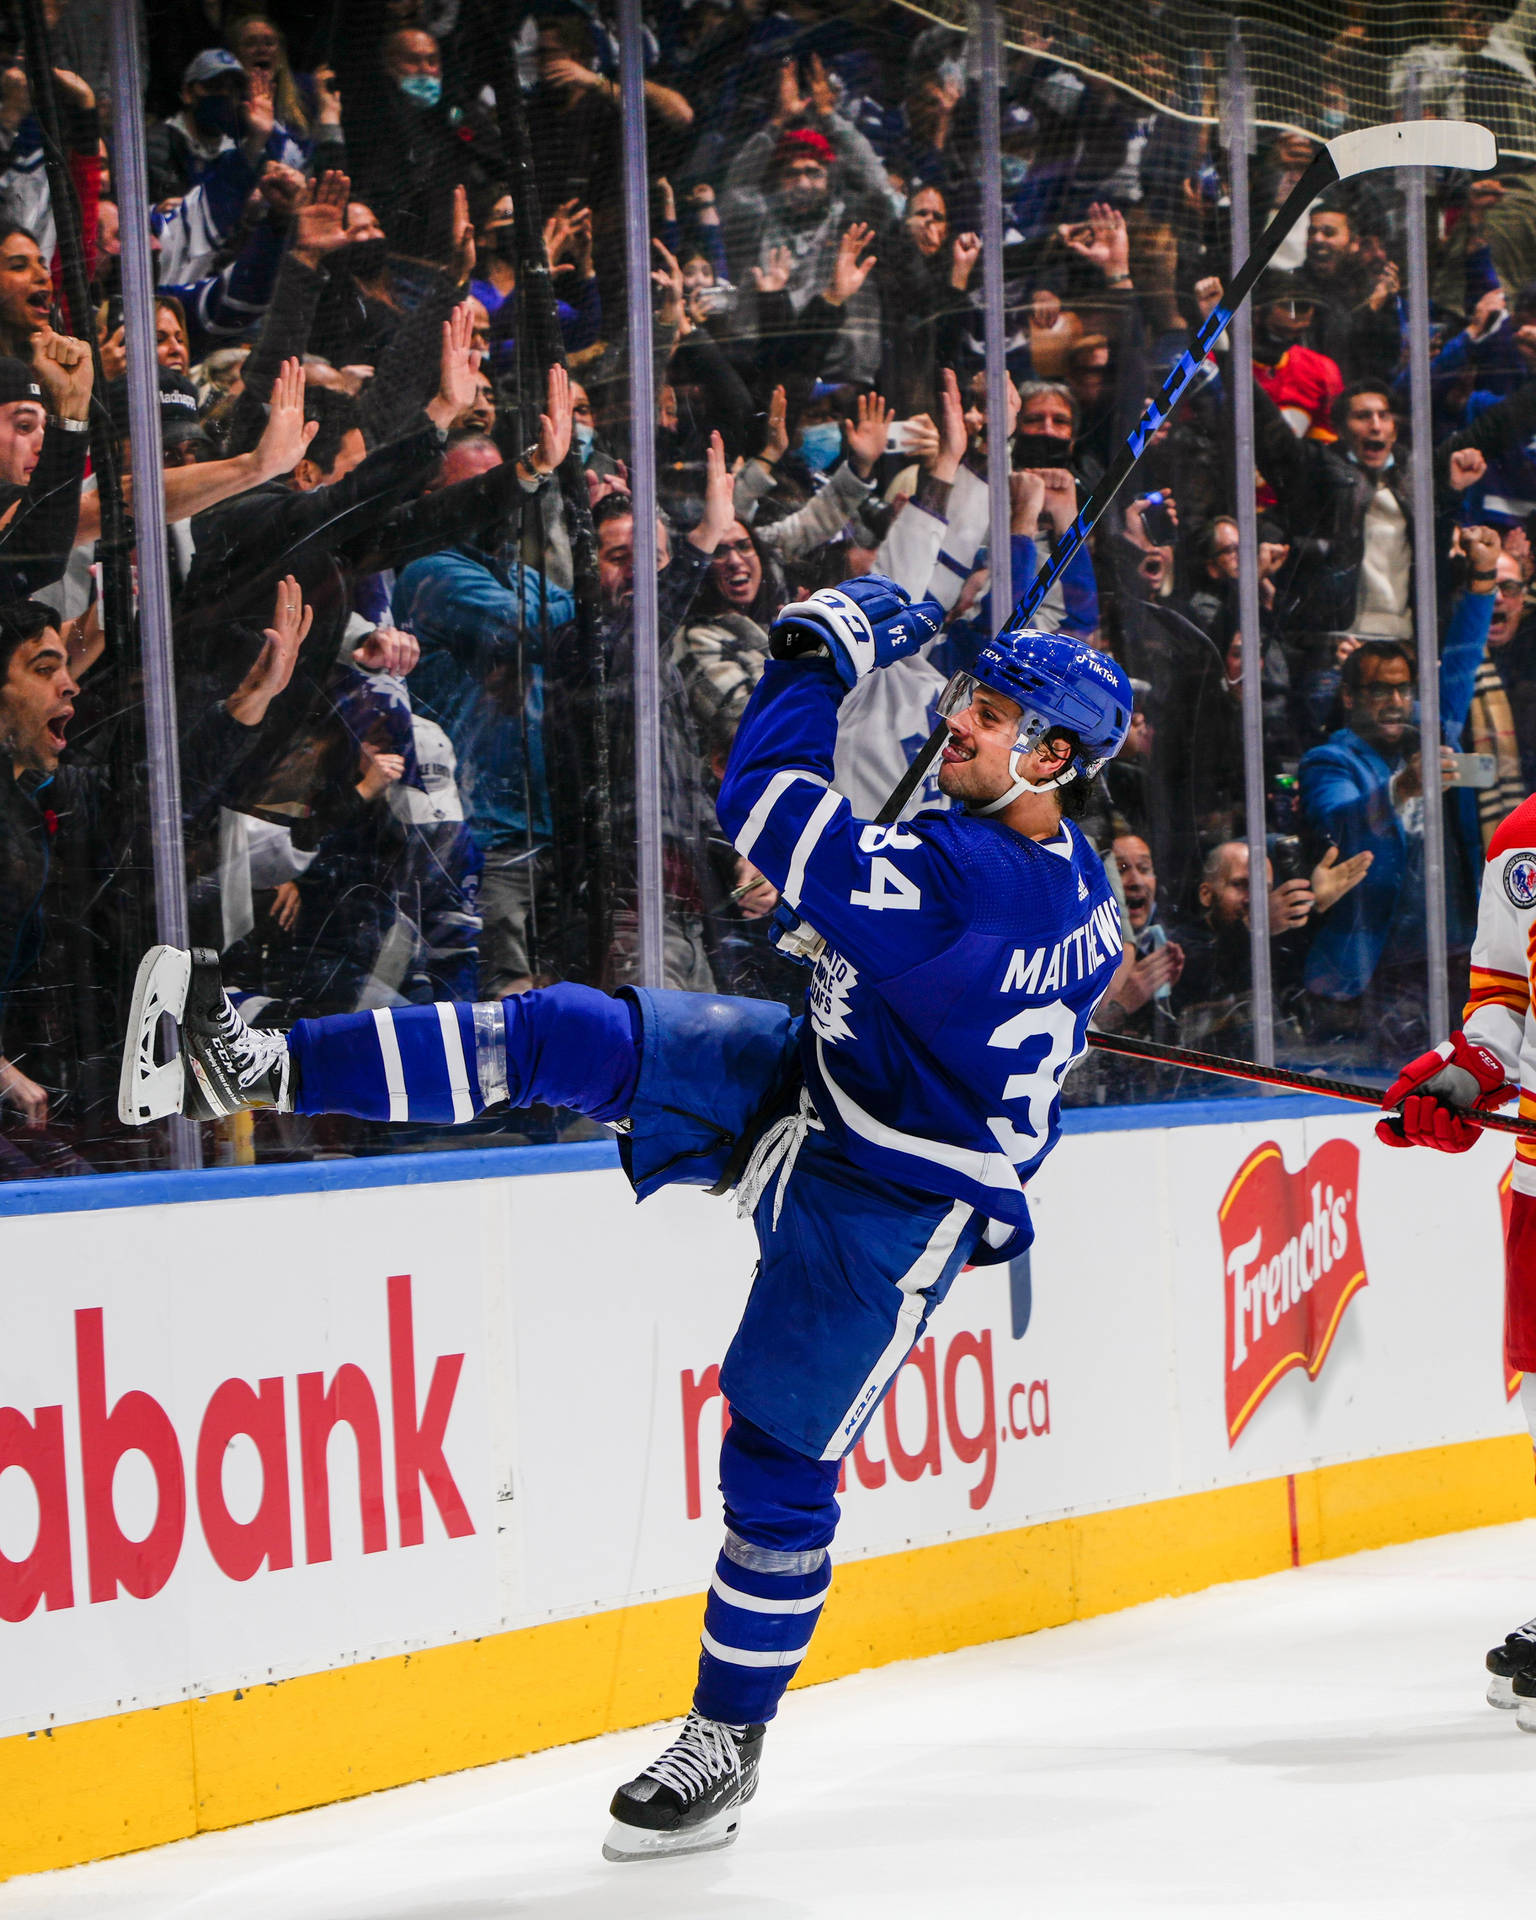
column 1436, row 1090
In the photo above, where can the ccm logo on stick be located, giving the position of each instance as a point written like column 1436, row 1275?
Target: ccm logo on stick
column 135, row 1422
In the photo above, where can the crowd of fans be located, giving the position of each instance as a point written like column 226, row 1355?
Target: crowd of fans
column 402, row 539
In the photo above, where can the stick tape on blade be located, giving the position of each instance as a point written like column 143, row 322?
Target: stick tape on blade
column 1415, row 143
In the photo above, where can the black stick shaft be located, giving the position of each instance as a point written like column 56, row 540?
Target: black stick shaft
column 1318, row 177
column 1277, row 1077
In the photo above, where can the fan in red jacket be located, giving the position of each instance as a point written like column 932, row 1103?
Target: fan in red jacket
column 1302, row 382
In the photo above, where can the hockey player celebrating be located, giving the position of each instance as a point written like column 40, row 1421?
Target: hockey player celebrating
column 880, row 1141
column 1492, row 1058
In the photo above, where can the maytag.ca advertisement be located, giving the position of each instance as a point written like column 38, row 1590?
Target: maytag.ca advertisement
column 245, row 1439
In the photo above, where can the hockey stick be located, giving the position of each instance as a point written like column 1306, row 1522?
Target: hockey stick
column 1279, row 1077
column 1408, row 143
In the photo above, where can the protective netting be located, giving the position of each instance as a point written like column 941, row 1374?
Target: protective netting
column 430, row 793
column 1320, row 68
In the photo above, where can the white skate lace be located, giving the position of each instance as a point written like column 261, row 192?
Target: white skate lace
column 777, row 1150
column 249, row 1051
column 704, row 1752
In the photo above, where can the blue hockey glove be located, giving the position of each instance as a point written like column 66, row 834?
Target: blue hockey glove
column 863, row 624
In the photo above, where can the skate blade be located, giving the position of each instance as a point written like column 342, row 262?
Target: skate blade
column 635, row 1843
column 1525, row 1715
column 146, row 1090
column 1501, row 1694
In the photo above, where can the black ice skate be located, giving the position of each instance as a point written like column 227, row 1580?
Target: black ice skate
column 690, row 1800
column 1506, row 1664
column 223, row 1065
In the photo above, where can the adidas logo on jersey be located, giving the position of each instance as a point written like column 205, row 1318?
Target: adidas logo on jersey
column 1082, row 888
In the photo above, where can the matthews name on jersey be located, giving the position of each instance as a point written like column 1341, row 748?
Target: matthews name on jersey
column 962, row 963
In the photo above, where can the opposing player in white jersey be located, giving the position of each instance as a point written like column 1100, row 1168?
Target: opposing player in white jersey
column 1480, row 1067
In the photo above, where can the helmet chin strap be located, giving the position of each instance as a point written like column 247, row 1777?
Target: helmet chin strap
column 1021, row 785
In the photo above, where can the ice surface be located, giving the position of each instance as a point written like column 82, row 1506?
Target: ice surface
column 1312, row 1743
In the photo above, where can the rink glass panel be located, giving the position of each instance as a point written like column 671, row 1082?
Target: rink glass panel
column 76, row 874
column 344, row 858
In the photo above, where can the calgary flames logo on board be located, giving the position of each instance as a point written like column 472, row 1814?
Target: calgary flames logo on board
column 1291, row 1243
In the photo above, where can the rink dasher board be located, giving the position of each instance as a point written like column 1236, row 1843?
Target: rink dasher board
column 559, row 1433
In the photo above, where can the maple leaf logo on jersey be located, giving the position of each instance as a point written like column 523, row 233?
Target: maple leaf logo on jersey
column 833, row 981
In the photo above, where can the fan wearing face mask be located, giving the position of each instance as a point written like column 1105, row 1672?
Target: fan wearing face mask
column 415, row 129
column 225, row 130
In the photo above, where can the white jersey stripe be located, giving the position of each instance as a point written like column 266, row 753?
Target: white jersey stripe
column 754, row 1656
column 986, row 1169
column 805, row 846
column 923, row 1272
column 767, row 800
column 394, row 1072
column 458, row 1066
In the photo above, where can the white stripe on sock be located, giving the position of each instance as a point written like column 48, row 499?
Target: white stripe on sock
column 754, row 1656
column 458, row 1066
column 394, row 1072
column 755, row 1603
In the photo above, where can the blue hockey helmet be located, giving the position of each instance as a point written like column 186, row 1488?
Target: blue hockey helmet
column 1058, row 683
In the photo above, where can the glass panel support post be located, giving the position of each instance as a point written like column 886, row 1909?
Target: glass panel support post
column 1426, row 630
column 650, row 899
column 1239, row 134
column 130, row 179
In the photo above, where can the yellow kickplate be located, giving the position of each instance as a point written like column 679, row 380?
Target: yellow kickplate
column 134, row 1780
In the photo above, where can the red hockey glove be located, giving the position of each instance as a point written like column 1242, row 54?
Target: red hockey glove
column 1434, row 1092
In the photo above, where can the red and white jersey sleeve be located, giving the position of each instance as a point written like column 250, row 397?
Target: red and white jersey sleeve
column 1498, row 1012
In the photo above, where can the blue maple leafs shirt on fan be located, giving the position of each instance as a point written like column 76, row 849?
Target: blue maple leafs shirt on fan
column 963, row 959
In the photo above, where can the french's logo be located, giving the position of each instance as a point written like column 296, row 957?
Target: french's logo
column 1293, row 1263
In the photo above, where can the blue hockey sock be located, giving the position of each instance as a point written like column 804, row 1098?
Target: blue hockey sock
column 762, row 1609
column 771, row 1578
column 565, row 1046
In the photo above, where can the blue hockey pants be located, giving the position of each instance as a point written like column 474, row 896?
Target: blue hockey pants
column 850, row 1266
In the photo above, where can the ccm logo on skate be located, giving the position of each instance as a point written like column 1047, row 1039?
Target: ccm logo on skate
column 135, row 1422
column 959, row 1401
column 1291, row 1242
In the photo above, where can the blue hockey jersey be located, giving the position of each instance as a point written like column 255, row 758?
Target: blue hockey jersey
column 962, row 963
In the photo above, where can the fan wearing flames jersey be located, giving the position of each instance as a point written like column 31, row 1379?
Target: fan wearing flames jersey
column 1492, row 1057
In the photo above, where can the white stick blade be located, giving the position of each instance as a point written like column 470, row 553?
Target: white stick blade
column 1415, row 143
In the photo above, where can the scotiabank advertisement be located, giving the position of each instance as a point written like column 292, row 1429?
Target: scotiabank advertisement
column 245, row 1439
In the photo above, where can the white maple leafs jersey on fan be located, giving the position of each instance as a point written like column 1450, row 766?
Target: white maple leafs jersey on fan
column 962, row 964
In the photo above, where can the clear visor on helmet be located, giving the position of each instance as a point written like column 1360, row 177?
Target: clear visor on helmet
column 961, row 691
